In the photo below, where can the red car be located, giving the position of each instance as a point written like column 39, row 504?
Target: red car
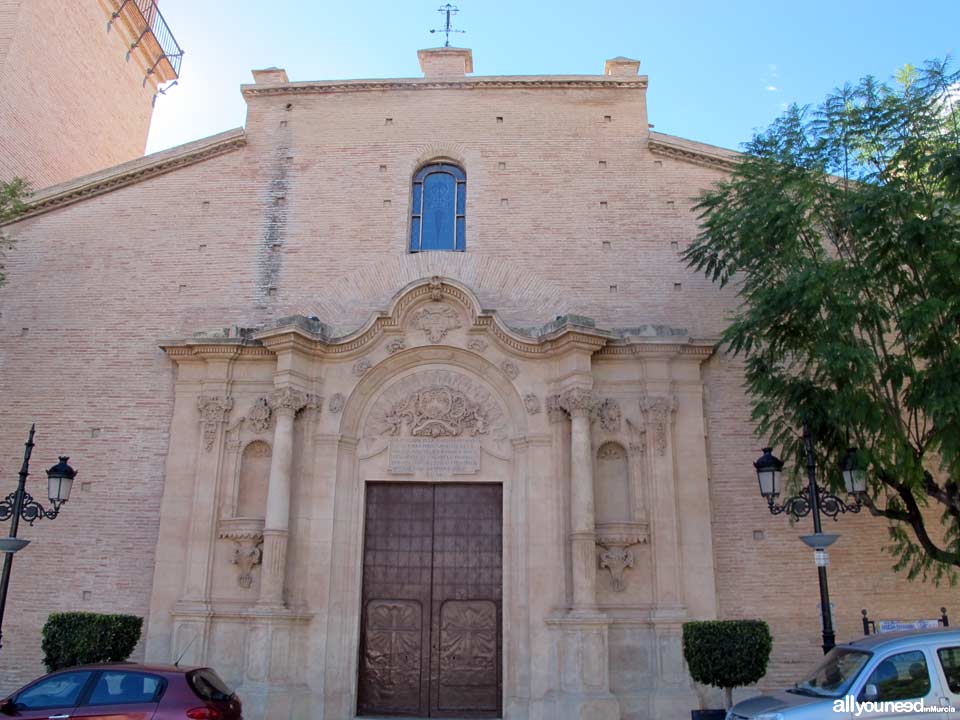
column 125, row 691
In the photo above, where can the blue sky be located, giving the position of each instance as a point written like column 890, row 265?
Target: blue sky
column 718, row 70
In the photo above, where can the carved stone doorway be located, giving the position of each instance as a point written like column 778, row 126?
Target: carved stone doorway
column 431, row 621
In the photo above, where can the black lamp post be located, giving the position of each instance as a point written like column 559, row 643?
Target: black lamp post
column 20, row 504
column 814, row 499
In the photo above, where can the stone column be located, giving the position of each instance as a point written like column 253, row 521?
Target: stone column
column 285, row 404
column 581, row 403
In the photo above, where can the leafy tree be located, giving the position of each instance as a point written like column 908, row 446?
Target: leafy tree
column 12, row 197
column 727, row 653
column 840, row 227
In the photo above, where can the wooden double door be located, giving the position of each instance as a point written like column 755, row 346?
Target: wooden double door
column 431, row 616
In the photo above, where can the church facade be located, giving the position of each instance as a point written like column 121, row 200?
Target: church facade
column 401, row 401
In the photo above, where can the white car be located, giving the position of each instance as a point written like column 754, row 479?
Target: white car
column 894, row 675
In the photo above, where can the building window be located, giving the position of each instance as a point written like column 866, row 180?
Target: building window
column 438, row 220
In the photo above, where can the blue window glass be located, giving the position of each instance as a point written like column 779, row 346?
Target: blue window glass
column 438, row 219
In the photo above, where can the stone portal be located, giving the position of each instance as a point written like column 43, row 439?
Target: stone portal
column 430, row 639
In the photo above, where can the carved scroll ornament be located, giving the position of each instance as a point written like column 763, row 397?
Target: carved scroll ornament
column 658, row 414
column 213, row 413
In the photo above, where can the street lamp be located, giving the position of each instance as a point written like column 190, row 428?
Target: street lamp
column 816, row 500
column 20, row 504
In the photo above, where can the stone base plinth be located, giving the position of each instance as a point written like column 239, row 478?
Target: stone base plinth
column 273, row 701
column 581, row 647
column 273, row 686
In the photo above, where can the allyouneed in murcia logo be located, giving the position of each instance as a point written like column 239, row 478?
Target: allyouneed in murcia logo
column 849, row 704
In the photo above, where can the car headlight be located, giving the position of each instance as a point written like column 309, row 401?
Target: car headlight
column 768, row 716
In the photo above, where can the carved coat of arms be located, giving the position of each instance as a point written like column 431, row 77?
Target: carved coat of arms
column 437, row 411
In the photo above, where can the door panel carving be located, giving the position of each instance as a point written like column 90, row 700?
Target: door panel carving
column 432, row 584
column 391, row 658
column 468, row 655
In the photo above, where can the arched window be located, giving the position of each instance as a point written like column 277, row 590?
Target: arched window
column 438, row 220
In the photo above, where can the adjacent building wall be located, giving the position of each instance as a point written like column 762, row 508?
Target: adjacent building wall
column 71, row 102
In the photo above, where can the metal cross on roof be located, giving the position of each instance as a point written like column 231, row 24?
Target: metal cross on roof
column 448, row 10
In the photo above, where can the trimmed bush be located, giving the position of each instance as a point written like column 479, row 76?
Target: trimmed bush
column 727, row 653
column 76, row 638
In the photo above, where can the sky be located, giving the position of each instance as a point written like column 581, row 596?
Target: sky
column 718, row 71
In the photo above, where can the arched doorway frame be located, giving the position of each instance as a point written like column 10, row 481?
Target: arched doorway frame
column 344, row 602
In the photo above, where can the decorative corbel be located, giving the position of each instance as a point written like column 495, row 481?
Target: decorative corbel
column 247, row 537
column 614, row 541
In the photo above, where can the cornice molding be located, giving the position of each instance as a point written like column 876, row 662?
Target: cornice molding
column 585, row 82
column 693, row 152
column 306, row 336
column 132, row 172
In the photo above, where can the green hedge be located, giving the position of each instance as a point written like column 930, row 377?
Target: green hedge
column 727, row 653
column 76, row 638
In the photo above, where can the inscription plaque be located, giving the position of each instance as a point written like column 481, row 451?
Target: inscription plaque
column 434, row 457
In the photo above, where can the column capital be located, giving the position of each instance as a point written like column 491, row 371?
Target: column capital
column 288, row 401
column 579, row 402
column 555, row 411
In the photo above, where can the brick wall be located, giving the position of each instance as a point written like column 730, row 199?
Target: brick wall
column 70, row 101
column 311, row 217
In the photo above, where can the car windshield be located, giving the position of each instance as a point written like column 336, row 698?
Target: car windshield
column 834, row 676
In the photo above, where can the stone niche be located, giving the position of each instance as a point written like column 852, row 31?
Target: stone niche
column 622, row 531
column 239, row 550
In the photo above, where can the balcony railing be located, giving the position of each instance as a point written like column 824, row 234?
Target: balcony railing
column 152, row 34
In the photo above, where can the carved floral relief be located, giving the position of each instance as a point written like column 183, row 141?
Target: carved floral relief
column 259, row 416
column 361, row 366
column 510, row 369
column 532, row 403
column 336, row 403
column 478, row 345
column 396, row 345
